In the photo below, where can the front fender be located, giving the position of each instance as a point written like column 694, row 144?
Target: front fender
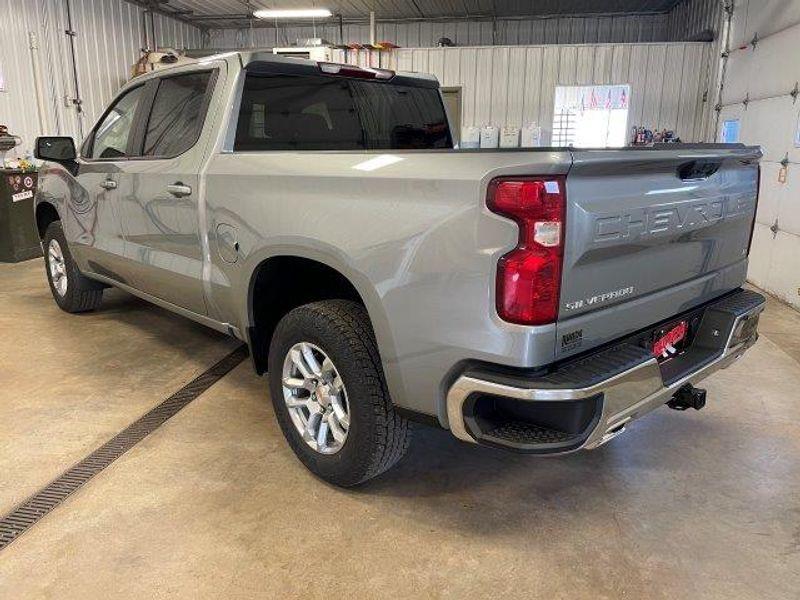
column 53, row 186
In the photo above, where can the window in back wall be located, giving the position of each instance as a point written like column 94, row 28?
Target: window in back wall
column 591, row 116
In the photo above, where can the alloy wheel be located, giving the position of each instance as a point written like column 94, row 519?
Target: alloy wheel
column 316, row 398
column 58, row 267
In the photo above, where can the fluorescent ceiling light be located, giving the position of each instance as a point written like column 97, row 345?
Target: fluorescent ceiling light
column 292, row 13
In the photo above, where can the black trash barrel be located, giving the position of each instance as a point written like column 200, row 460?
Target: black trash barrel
column 19, row 239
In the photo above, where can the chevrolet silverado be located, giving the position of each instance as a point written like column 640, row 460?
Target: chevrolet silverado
column 533, row 299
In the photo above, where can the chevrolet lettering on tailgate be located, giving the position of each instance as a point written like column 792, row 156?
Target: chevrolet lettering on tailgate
column 670, row 218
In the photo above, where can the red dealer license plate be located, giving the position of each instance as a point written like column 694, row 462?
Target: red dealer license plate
column 667, row 345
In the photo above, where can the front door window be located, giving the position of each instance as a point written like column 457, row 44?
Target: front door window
column 111, row 137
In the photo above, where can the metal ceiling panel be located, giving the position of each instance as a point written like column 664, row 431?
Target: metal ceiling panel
column 506, row 8
column 236, row 13
column 416, row 34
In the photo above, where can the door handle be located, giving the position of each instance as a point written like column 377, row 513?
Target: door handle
column 108, row 184
column 179, row 190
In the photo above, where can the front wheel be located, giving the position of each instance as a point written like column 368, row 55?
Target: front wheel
column 330, row 396
column 72, row 291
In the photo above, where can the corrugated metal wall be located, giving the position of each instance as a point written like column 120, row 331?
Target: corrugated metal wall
column 765, row 76
column 515, row 85
column 109, row 36
column 692, row 17
column 425, row 34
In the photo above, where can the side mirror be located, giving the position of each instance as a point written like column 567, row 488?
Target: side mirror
column 56, row 149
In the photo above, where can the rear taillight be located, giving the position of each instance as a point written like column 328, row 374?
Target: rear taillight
column 529, row 277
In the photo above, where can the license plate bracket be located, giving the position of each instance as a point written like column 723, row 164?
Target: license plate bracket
column 669, row 341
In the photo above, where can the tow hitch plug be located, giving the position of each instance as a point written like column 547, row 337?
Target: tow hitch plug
column 688, row 396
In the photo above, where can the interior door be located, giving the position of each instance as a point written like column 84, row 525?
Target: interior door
column 452, row 104
column 92, row 223
column 161, row 220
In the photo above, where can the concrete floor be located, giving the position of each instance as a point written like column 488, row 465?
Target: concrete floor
column 213, row 504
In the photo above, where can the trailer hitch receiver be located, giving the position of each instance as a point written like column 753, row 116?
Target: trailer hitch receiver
column 688, row 396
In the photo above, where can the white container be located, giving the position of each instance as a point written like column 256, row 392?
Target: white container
column 531, row 136
column 470, row 137
column 490, row 136
column 509, row 137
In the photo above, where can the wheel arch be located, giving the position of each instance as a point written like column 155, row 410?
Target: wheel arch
column 46, row 213
column 267, row 301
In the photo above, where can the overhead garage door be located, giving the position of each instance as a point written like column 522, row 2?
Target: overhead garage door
column 759, row 107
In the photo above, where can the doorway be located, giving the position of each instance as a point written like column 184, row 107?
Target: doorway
column 452, row 104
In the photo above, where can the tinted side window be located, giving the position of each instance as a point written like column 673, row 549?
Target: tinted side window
column 298, row 113
column 111, row 136
column 401, row 116
column 327, row 113
column 177, row 114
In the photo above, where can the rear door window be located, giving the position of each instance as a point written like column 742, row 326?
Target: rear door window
column 177, row 115
column 298, row 113
column 306, row 112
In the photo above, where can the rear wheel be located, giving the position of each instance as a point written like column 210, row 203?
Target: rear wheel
column 330, row 396
column 72, row 291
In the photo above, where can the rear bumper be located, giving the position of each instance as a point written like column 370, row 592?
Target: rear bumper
column 587, row 402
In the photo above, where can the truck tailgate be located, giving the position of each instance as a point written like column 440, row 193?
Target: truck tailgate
column 651, row 233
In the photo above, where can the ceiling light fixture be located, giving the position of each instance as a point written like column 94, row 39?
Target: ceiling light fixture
column 293, row 13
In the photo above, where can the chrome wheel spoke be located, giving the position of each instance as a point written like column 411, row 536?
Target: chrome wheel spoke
column 337, row 432
column 295, row 383
column 311, row 360
column 340, row 412
column 312, row 425
column 299, row 362
column 295, row 402
column 322, row 434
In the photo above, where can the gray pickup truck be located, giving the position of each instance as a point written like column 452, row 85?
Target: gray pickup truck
column 538, row 300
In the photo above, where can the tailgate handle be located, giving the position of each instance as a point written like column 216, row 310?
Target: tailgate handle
column 698, row 169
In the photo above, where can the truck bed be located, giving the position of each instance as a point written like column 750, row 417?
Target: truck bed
column 412, row 230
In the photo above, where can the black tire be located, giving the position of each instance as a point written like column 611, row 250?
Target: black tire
column 81, row 294
column 377, row 437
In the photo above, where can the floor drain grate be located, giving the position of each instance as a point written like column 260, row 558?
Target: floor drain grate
column 26, row 514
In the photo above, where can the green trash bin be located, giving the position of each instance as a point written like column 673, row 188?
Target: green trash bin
column 19, row 239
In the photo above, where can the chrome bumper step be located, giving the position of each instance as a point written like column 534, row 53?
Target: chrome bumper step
column 620, row 383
